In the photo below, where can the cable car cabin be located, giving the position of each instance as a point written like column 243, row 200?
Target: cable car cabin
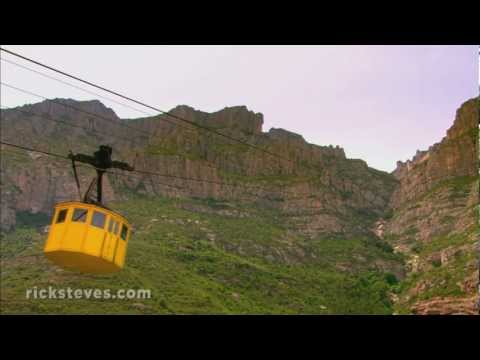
column 87, row 238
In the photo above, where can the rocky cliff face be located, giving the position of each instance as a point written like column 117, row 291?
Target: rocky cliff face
column 34, row 182
column 434, row 220
column 454, row 156
column 322, row 191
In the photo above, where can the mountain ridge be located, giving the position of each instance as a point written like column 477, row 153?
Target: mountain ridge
column 323, row 198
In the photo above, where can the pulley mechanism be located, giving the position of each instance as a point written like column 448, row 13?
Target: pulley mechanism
column 101, row 161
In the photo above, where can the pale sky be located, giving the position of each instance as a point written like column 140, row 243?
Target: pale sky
column 380, row 103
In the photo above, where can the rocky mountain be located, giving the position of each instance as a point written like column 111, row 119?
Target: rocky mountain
column 319, row 187
column 434, row 221
column 321, row 211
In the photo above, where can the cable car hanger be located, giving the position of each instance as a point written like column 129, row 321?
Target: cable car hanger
column 101, row 161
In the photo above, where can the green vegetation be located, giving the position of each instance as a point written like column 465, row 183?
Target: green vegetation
column 27, row 219
column 417, row 248
column 12, row 158
column 439, row 280
column 169, row 147
column 442, row 242
column 274, row 179
column 447, row 219
column 459, row 186
column 445, row 261
column 217, row 259
column 20, row 241
column 411, row 230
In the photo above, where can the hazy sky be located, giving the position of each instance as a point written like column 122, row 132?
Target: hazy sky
column 380, row 103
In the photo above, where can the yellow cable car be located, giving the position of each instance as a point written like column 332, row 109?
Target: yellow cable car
column 87, row 236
